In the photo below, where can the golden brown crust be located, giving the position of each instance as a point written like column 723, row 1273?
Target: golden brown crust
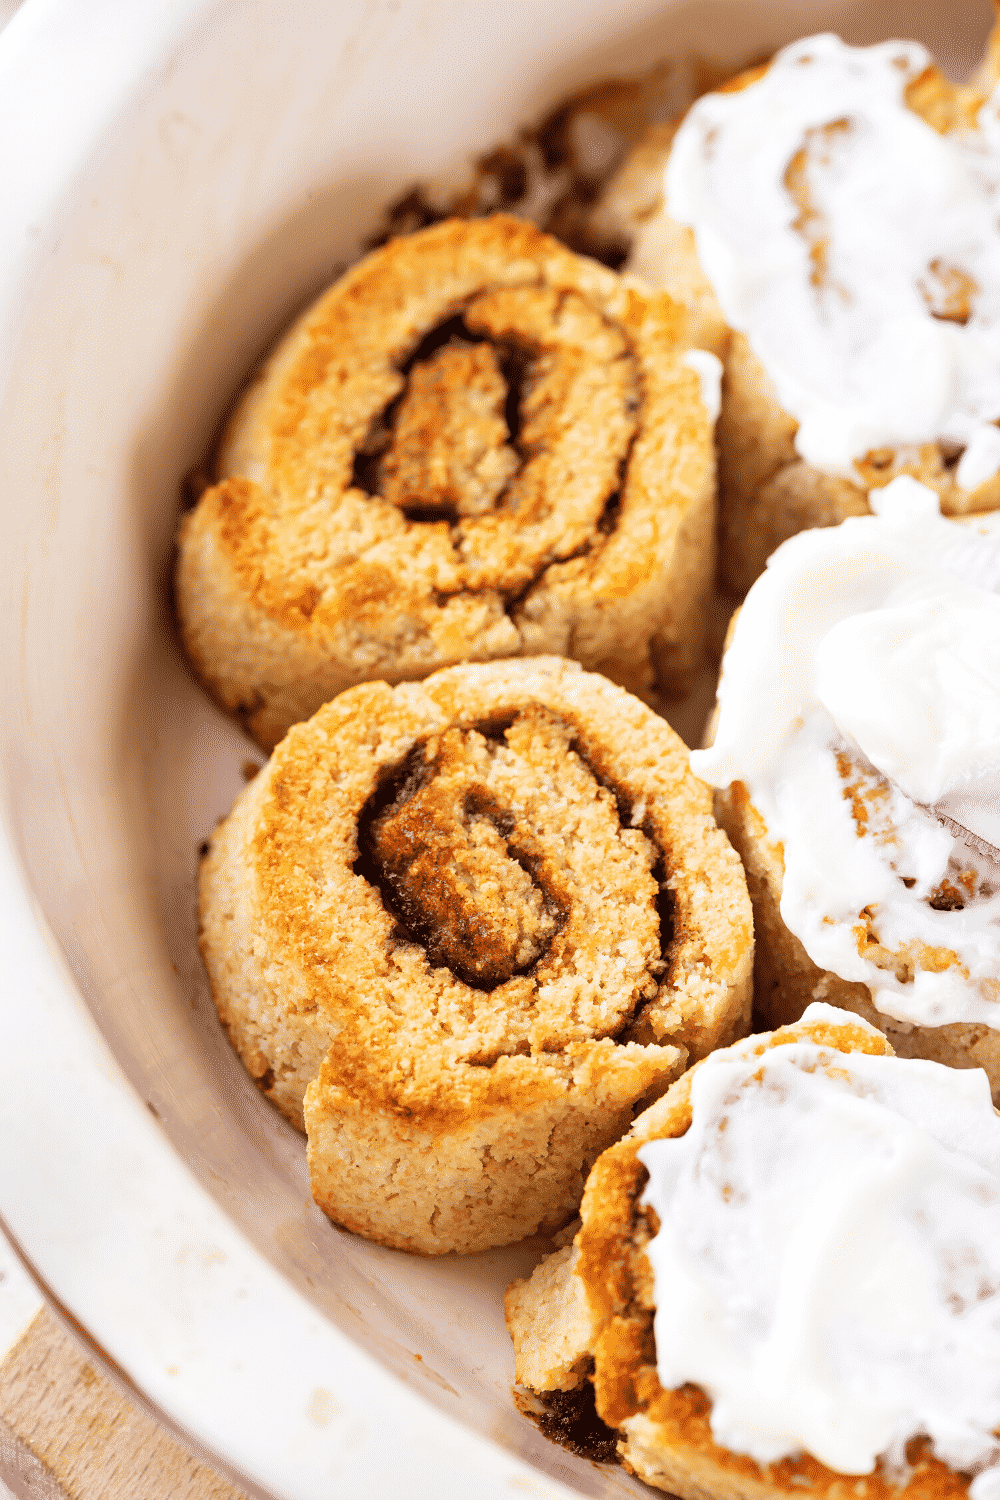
column 456, row 1090
column 670, row 1446
column 987, row 75
column 590, row 532
column 666, row 1435
column 786, row 980
column 667, row 1438
column 767, row 493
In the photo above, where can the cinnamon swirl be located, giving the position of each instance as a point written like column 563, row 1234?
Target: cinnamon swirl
column 459, row 928
column 475, row 445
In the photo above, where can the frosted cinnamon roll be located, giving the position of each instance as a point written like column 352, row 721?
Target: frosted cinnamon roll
column 787, row 1277
column 831, row 221
column 857, row 756
column 474, row 445
column 457, row 929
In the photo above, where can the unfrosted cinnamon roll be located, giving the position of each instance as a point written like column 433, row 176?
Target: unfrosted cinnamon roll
column 474, row 445
column 459, row 928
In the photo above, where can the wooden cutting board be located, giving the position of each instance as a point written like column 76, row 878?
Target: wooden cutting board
column 67, row 1433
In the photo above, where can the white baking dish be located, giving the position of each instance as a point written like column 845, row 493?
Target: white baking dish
column 178, row 177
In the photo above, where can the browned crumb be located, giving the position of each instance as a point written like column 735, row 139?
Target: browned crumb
column 570, row 1419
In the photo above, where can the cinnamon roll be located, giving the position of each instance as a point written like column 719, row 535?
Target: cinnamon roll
column 458, row 929
column 830, row 221
column 856, row 755
column 786, row 1278
column 474, row 445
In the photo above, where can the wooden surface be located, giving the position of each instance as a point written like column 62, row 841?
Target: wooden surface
column 67, row 1433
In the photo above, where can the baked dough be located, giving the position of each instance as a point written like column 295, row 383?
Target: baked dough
column 587, row 1313
column 786, row 980
column 767, row 492
column 376, row 517
column 459, row 929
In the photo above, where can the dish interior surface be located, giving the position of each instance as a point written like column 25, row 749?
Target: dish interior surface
column 247, row 162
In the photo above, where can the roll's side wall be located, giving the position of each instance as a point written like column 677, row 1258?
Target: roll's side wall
column 500, row 1173
column 263, row 1002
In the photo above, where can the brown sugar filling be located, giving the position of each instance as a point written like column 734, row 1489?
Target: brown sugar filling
column 570, row 1419
column 466, row 877
column 468, row 868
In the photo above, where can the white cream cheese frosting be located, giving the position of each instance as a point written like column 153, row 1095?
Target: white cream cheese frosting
column 844, row 236
column 828, row 1255
column 859, row 699
column 709, row 371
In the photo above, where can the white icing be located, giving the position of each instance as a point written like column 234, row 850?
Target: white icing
column 916, row 684
column 709, row 371
column 860, row 692
column 827, row 1266
column 986, row 1485
column 838, row 302
column 904, row 499
column 981, row 460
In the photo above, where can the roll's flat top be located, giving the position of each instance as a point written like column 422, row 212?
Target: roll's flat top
column 524, row 848
column 461, row 502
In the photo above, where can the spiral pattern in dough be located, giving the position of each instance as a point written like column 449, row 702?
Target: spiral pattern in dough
column 474, row 445
column 459, row 928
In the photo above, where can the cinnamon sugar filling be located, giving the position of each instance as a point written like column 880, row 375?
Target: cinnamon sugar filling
column 470, row 841
column 518, row 410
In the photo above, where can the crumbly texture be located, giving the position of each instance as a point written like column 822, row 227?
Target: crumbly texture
column 551, row 1323
column 459, row 929
column 449, row 448
column 665, row 1436
column 767, row 492
column 786, row 980
column 475, row 445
